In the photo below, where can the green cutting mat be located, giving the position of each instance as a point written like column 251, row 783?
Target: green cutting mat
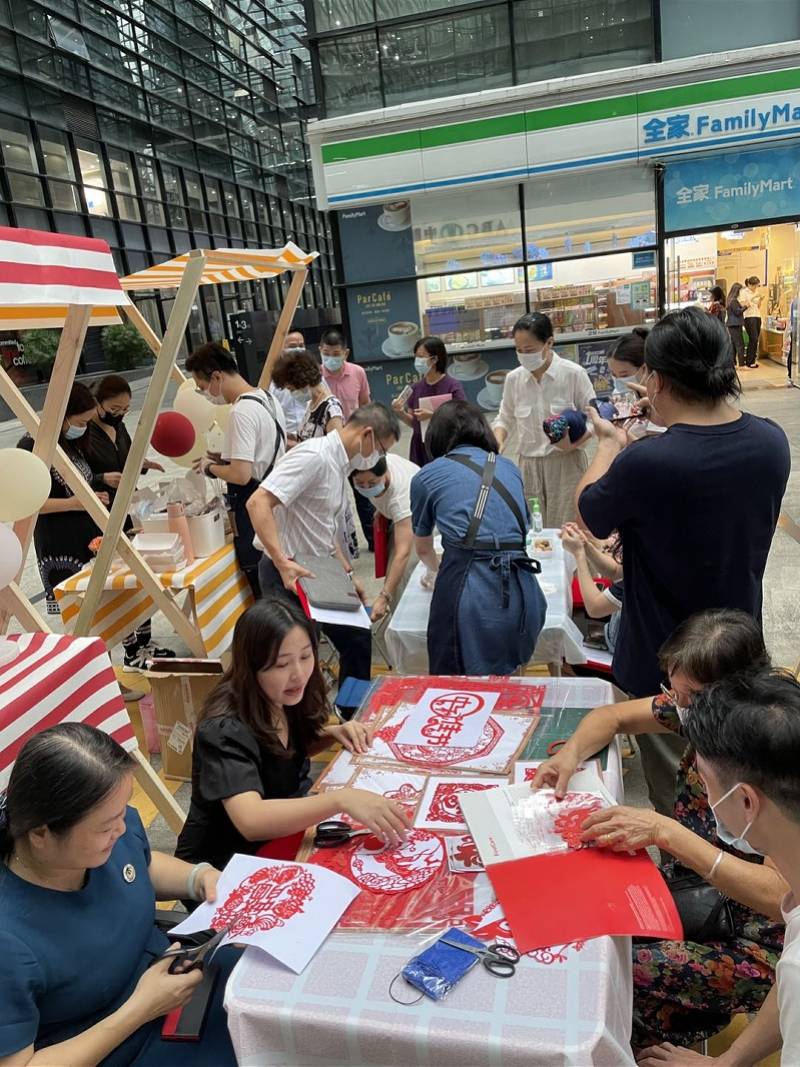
column 557, row 724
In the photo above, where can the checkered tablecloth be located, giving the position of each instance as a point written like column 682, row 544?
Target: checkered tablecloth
column 570, row 1005
column 218, row 590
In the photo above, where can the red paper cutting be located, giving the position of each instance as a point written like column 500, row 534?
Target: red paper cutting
column 467, row 853
column 444, row 806
column 389, row 870
column 267, row 899
column 392, row 691
column 573, row 896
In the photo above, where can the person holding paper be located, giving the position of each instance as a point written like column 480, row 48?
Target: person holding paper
column 708, row 647
column 80, row 974
column 250, row 763
column 746, row 733
column 430, row 363
column 487, row 609
column 388, row 486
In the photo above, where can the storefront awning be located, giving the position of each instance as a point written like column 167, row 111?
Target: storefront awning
column 223, row 266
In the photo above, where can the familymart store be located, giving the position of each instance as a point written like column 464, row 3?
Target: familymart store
column 601, row 200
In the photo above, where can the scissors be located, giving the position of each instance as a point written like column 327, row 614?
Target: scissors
column 498, row 959
column 555, row 746
column 186, row 959
column 334, row 832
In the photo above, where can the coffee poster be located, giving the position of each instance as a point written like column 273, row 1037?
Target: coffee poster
column 384, row 320
column 377, row 241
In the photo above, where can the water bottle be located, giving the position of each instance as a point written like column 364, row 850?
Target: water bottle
column 537, row 523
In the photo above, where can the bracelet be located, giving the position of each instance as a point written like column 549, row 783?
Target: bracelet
column 191, row 880
column 386, row 597
column 714, row 866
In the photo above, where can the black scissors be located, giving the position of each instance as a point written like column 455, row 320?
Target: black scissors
column 186, row 959
column 335, row 832
column 498, row 959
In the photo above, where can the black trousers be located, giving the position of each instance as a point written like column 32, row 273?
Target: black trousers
column 738, row 344
column 366, row 515
column 353, row 644
column 753, row 330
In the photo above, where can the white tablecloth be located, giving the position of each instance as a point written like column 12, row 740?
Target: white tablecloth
column 407, row 633
column 567, row 1007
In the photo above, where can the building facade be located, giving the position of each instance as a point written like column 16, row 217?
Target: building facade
column 160, row 126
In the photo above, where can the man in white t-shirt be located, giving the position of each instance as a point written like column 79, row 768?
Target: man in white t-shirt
column 293, row 410
column 746, row 733
column 255, row 438
column 387, row 486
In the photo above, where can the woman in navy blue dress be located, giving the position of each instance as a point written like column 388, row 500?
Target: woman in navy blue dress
column 487, row 608
column 79, row 950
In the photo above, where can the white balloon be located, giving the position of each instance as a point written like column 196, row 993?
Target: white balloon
column 24, row 484
column 222, row 415
column 196, row 409
column 215, row 439
column 10, row 555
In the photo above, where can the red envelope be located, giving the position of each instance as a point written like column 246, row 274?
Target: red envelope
column 590, row 892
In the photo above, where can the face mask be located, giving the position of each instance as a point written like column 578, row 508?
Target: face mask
column 365, row 463
column 724, row 834
column 333, row 363
column 111, row 420
column 72, row 433
column 421, row 366
column 301, row 396
column 621, row 384
column 215, row 398
column 531, row 360
column 371, row 490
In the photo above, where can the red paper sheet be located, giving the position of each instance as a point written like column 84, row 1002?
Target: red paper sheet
column 591, row 892
column 513, row 697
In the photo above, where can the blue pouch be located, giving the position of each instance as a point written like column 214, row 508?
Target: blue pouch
column 436, row 970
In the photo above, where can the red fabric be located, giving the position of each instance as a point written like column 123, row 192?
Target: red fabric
column 380, row 530
column 54, row 240
column 37, row 274
column 282, row 848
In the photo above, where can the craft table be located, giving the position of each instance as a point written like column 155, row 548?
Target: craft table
column 567, row 1005
column 560, row 639
column 218, row 593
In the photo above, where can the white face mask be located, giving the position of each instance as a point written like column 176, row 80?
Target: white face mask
column 532, row 361
column 740, row 842
column 215, row 398
column 302, row 396
column 621, row 384
column 360, row 462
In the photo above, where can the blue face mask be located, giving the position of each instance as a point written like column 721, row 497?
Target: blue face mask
column 72, row 433
column 621, row 384
column 371, row 490
column 740, row 843
column 421, row 366
column 333, row 363
column 301, row 396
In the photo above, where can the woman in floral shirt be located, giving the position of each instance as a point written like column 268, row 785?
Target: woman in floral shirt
column 685, row 992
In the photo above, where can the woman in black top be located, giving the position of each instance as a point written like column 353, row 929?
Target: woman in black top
column 250, row 766
column 63, row 529
column 106, row 447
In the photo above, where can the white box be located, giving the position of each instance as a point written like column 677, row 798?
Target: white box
column 207, row 533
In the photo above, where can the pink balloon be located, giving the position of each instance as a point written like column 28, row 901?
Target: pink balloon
column 10, row 555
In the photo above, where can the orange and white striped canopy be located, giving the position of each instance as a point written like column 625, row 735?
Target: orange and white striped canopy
column 222, row 265
column 50, row 318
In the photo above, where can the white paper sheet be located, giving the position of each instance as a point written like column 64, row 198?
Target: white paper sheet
column 447, row 718
column 588, row 775
column 357, row 618
column 285, row 909
column 440, row 808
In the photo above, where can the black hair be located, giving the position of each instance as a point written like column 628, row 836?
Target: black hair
column 752, row 280
column 378, row 470
column 748, row 728
column 383, row 420
column 111, row 385
column 630, row 347
column 81, row 399
column 209, row 358
column 716, row 292
column 537, row 324
column 459, row 423
column 333, row 337
column 59, row 775
column 435, row 348
column 692, row 351
column 733, row 292
column 296, row 370
column 713, row 644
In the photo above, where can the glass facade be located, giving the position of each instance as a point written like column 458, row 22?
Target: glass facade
column 161, row 126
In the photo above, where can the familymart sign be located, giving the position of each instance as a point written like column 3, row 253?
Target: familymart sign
column 652, row 124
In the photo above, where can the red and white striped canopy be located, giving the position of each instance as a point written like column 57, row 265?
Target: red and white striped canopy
column 53, row 269
column 223, row 265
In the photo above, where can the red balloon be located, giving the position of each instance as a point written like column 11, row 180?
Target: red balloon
column 173, row 435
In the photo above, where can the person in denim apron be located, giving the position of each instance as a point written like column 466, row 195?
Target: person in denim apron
column 487, row 608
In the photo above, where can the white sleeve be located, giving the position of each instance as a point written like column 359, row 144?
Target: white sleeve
column 242, row 434
column 400, row 506
column 505, row 416
column 292, row 475
column 788, row 999
column 583, row 390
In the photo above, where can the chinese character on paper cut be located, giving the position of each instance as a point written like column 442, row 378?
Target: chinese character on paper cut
column 677, row 126
column 654, row 130
column 684, row 195
column 700, row 192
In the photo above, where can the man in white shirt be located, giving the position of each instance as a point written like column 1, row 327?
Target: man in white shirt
column 255, row 438
column 298, row 509
column 746, row 733
column 543, row 385
column 293, row 410
column 388, row 487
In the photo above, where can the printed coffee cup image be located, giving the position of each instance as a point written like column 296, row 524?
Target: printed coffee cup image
column 396, row 215
column 468, row 366
column 401, row 338
column 491, row 395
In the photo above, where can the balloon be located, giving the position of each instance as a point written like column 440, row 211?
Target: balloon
column 215, row 439
column 173, row 434
column 24, row 484
column 222, row 415
column 197, row 450
column 10, row 555
column 195, row 407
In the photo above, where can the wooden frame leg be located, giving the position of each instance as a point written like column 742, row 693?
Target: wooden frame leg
column 158, row 793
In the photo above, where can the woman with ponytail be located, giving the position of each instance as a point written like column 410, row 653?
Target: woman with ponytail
column 695, row 507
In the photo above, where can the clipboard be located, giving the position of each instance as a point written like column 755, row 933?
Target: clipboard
column 331, row 588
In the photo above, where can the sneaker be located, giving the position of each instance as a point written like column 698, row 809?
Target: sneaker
column 138, row 659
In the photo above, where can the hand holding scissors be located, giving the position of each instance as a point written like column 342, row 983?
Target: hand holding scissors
column 186, row 959
column 498, row 959
column 334, row 832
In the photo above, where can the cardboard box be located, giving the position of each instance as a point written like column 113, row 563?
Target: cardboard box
column 180, row 688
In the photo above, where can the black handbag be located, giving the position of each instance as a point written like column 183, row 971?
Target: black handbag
column 705, row 912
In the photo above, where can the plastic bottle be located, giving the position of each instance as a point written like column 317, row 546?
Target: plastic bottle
column 176, row 521
column 537, row 523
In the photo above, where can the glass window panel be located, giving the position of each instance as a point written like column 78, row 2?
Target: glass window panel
column 25, row 189
column 57, row 158
column 231, row 201
column 172, row 184
column 31, row 218
column 334, row 14
column 456, row 231
column 389, row 9
column 97, row 201
column 213, row 194
column 597, row 211
column 582, row 36
column 439, row 57
column 159, row 240
column 148, row 178
column 121, row 171
column 17, row 145
column 67, row 36
column 91, row 165
column 693, row 27
column 194, row 192
column 350, row 73
column 64, row 196
column 69, row 224
column 154, row 213
column 472, row 307
column 128, row 208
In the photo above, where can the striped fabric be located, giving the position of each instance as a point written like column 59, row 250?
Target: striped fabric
column 218, row 589
column 38, row 268
column 56, row 679
column 223, row 265
column 50, row 318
